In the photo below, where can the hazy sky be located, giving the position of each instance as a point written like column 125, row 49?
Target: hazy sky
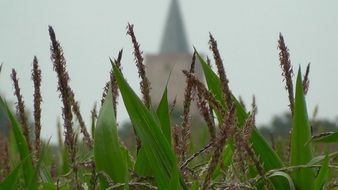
column 246, row 31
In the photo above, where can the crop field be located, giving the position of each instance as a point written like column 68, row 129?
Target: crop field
column 233, row 155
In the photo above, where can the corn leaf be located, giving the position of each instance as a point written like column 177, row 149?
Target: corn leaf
column 283, row 175
column 33, row 184
column 320, row 158
column 65, row 160
column 45, row 175
column 162, row 113
column 259, row 144
column 109, row 156
column 328, row 138
column 52, row 186
column 156, row 146
column 323, row 175
column 301, row 151
column 142, row 166
column 10, row 182
column 27, row 164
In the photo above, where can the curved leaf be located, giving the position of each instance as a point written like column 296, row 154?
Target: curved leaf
column 284, row 175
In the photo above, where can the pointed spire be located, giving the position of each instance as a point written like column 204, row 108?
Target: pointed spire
column 174, row 39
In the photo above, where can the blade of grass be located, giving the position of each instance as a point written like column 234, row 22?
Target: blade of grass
column 109, row 156
column 49, row 186
column 33, row 184
column 162, row 113
column 279, row 174
column 301, row 151
column 320, row 158
column 323, row 175
column 10, row 182
column 45, row 175
column 157, row 148
column 327, row 138
column 22, row 145
column 142, row 167
column 65, row 160
column 261, row 147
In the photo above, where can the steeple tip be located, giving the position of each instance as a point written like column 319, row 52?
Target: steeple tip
column 174, row 38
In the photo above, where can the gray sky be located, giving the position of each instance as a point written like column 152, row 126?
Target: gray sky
column 246, row 31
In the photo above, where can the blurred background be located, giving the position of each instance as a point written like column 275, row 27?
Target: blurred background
column 246, row 32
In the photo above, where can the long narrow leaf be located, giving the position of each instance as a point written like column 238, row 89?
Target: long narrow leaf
column 157, row 148
column 164, row 116
column 27, row 164
column 320, row 158
column 142, row 167
column 109, row 156
column 301, row 151
column 10, row 182
column 323, row 174
column 328, row 138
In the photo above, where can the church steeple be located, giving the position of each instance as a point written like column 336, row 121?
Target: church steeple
column 174, row 39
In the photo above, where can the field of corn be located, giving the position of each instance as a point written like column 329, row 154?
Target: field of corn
column 234, row 156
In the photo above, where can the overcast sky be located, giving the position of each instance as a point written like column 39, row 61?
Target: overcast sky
column 246, row 31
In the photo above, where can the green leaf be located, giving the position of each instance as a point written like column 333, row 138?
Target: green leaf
column 259, row 144
column 65, row 159
column 227, row 155
column 49, row 186
column 109, row 156
column 52, row 186
column 320, row 158
column 10, row 182
column 142, row 167
column 148, row 128
column 27, row 164
column 301, row 151
column 195, row 186
column 163, row 115
column 327, row 138
column 323, row 175
column 45, row 175
column 33, row 184
column 283, row 175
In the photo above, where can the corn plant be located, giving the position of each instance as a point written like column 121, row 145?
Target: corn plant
column 236, row 155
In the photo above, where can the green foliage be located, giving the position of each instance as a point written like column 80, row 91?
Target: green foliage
column 323, row 174
column 327, row 138
column 25, row 155
column 301, row 151
column 163, row 115
column 148, row 128
column 109, row 155
column 9, row 183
